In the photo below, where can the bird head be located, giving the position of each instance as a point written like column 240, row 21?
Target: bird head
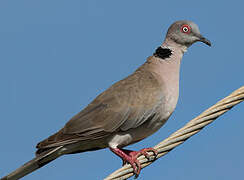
column 186, row 33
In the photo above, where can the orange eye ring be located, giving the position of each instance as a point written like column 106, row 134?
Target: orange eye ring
column 185, row 29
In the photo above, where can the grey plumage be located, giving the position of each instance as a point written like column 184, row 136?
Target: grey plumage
column 128, row 111
column 125, row 105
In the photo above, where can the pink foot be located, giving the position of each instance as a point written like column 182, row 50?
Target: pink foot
column 130, row 157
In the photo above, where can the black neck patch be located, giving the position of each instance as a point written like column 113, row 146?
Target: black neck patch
column 163, row 52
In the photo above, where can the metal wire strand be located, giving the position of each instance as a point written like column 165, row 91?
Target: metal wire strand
column 181, row 135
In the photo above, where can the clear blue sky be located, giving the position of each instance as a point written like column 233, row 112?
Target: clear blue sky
column 57, row 55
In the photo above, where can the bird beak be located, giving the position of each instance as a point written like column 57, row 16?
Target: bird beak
column 204, row 40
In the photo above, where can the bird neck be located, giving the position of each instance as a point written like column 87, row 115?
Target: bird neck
column 163, row 52
column 169, row 49
column 168, row 43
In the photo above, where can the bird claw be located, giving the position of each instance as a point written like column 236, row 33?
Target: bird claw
column 132, row 156
column 145, row 152
column 136, row 165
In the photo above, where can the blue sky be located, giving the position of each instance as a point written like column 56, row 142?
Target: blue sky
column 57, row 55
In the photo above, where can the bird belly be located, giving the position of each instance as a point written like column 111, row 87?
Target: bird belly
column 162, row 113
column 122, row 139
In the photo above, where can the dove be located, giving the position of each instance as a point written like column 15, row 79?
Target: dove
column 128, row 111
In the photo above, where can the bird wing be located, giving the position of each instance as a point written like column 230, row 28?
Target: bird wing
column 126, row 104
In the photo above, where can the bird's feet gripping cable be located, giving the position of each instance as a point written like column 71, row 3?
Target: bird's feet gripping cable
column 130, row 157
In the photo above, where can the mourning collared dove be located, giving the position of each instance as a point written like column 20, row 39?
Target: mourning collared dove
column 128, row 111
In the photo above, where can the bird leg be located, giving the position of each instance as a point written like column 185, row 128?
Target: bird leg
column 130, row 157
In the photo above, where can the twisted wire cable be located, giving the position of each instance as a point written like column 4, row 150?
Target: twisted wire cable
column 181, row 135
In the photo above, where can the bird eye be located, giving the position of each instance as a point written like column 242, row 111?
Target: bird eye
column 185, row 29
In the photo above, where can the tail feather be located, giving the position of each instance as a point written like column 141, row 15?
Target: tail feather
column 36, row 163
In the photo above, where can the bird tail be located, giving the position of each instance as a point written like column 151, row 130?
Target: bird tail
column 35, row 163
